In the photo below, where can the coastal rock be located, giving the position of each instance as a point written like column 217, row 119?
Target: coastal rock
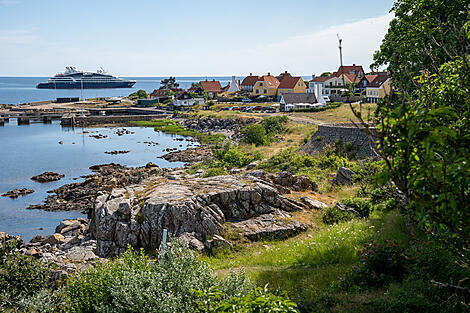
column 227, row 126
column 81, row 196
column 285, row 179
column 189, row 155
column 47, row 177
column 54, row 239
column 191, row 209
column 268, row 226
column 4, row 237
column 314, row 204
column 15, row 193
column 114, row 152
column 344, row 176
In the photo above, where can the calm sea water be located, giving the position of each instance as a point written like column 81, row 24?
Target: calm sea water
column 15, row 90
column 28, row 150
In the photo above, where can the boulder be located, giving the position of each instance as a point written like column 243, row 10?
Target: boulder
column 344, row 176
column 47, row 177
column 217, row 242
column 314, row 204
column 54, row 239
column 15, row 193
column 5, row 237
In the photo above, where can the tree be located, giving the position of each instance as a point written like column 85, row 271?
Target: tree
column 139, row 94
column 423, row 35
column 423, row 127
column 168, row 83
column 254, row 133
column 325, row 74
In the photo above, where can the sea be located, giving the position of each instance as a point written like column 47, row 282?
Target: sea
column 16, row 90
column 29, row 150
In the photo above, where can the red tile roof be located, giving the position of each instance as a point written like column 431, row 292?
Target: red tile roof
column 370, row 78
column 159, row 93
column 289, row 82
column 282, row 75
column 250, row 80
column 271, row 81
column 211, row 86
column 320, row 79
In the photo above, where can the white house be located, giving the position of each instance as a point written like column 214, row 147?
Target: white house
column 291, row 101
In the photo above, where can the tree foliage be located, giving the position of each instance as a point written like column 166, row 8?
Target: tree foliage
column 168, row 83
column 423, row 35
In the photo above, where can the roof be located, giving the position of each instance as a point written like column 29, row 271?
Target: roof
column 193, row 89
column 370, row 78
column 211, row 86
column 226, row 87
column 293, row 98
column 289, row 82
column 320, row 79
column 159, row 93
column 283, row 75
column 271, row 81
column 379, row 80
column 250, row 80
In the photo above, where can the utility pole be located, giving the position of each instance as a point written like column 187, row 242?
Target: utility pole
column 341, row 58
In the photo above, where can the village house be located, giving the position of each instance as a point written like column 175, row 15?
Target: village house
column 162, row 94
column 352, row 75
column 249, row 82
column 378, row 88
column 290, row 101
column 364, row 83
column 317, row 85
column 266, row 86
column 211, row 87
column 290, row 84
column 184, row 99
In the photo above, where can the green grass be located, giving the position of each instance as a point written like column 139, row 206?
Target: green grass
column 307, row 265
column 173, row 127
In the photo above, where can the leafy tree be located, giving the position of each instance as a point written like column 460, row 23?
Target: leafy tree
column 139, row 94
column 255, row 133
column 325, row 74
column 423, row 35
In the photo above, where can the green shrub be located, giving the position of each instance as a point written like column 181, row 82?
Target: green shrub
column 258, row 300
column 275, row 124
column 233, row 156
column 379, row 264
column 334, row 215
column 134, row 283
column 20, row 276
column 362, row 206
column 215, row 171
column 329, row 106
column 254, row 134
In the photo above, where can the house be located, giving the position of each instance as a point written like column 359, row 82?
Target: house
column 266, row 85
column 290, row 84
column 211, row 87
column 351, row 74
column 160, row 95
column 317, row 85
column 364, row 82
column 184, row 99
column 378, row 88
column 197, row 90
column 249, row 82
column 291, row 101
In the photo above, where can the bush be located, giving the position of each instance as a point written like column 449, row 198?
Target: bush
column 379, row 264
column 334, row 215
column 275, row 124
column 362, row 206
column 20, row 275
column 258, row 300
column 134, row 283
column 330, row 106
column 254, row 134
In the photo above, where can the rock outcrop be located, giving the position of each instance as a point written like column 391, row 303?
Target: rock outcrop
column 344, row 176
column 15, row 193
column 47, row 177
column 189, row 155
column 221, row 125
column 194, row 209
column 81, row 196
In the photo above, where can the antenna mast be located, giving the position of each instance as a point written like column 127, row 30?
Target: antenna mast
column 341, row 58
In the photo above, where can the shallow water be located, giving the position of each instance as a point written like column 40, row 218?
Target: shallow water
column 28, row 150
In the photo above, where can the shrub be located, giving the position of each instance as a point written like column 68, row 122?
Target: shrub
column 215, row 171
column 254, row 134
column 233, row 156
column 275, row 124
column 20, row 275
column 333, row 215
column 134, row 283
column 362, row 206
column 379, row 264
column 258, row 300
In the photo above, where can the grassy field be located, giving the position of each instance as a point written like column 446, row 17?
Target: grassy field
column 307, row 265
column 343, row 114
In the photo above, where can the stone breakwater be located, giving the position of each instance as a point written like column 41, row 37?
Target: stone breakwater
column 196, row 210
column 330, row 135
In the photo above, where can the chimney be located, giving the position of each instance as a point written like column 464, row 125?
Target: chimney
column 251, row 74
column 269, row 74
column 354, row 64
column 285, row 72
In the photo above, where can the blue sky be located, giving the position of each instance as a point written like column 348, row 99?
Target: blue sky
column 205, row 37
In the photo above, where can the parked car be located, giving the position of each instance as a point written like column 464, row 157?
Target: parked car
column 269, row 109
column 246, row 100
column 235, row 108
column 327, row 98
column 257, row 108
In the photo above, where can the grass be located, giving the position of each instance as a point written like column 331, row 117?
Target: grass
column 342, row 114
column 173, row 127
column 306, row 266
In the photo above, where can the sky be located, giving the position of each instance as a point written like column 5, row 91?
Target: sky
column 188, row 37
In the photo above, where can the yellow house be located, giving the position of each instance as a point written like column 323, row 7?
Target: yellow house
column 378, row 88
column 266, row 86
column 289, row 84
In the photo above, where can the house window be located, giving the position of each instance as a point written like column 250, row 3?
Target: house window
column 261, row 84
column 257, row 90
column 265, row 91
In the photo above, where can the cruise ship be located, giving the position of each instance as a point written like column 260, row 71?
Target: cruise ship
column 73, row 79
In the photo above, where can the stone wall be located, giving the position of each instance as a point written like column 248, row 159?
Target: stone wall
column 352, row 139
